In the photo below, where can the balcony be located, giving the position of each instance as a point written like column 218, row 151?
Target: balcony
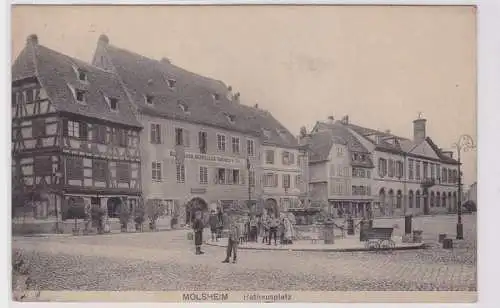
column 427, row 182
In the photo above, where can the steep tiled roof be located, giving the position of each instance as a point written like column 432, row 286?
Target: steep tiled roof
column 396, row 144
column 205, row 100
column 56, row 73
column 330, row 133
column 440, row 153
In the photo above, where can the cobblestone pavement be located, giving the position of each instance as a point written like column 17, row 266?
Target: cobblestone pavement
column 165, row 261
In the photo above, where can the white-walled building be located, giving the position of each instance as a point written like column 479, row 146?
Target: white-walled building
column 388, row 175
column 200, row 145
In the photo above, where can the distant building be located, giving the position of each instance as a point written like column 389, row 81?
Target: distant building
column 471, row 194
column 75, row 139
column 360, row 171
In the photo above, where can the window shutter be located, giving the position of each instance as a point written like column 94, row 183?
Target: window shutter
column 186, row 138
column 243, row 174
column 216, row 176
column 65, row 127
column 275, row 180
column 151, row 133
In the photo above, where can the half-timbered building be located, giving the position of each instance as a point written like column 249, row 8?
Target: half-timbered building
column 75, row 138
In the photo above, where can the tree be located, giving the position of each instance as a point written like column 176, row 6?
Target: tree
column 124, row 216
column 153, row 211
column 139, row 217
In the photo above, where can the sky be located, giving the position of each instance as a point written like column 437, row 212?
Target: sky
column 381, row 65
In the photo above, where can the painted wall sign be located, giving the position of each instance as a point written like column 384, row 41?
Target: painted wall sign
column 213, row 158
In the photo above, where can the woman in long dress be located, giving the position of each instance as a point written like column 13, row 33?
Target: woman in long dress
column 289, row 232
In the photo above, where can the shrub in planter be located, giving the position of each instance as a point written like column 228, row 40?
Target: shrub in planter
column 97, row 216
column 139, row 218
column 153, row 212
column 124, row 218
column 173, row 222
column 75, row 212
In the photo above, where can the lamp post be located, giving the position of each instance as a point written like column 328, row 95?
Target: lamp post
column 465, row 143
column 249, row 186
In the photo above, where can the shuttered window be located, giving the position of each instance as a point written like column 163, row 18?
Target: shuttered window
column 74, row 168
column 123, row 172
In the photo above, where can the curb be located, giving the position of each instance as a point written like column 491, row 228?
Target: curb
column 421, row 246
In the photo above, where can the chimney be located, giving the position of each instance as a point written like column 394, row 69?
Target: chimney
column 345, row 120
column 330, row 120
column 32, row 39
column 165, row 60
column 104, row 39
column 388, row 131
column 419, row 130
column 256, row 106
column 229, row 93
column 236, row 97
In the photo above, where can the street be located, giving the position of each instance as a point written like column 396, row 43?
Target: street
column 166, row 261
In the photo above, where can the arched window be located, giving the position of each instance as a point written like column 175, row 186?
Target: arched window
column 410, row 199
column 399, row 199
column 391, row 198
column 438, row 199
column 417, row 199
column 432, row 199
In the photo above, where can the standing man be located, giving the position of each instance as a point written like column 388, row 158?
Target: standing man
column 232, row 242
column 198, row 232
column 213, row 222
column 253, row 229
column 273, row 229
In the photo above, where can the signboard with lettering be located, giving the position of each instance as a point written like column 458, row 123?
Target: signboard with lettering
column 208, row 157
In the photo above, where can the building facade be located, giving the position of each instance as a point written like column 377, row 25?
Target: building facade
column 201, row 147
column 388, row 175
column 75, row 140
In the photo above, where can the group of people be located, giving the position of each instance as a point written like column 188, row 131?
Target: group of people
column 247, row 228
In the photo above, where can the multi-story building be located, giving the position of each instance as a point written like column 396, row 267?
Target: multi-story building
column 75, row 139
column 201, row 147
column 340, row 170
column 281, row 173
column 410, row 176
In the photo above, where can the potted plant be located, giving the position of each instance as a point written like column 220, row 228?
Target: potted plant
column 153, row 211
column 97, row 214
column 139, row 218
column 76, row 211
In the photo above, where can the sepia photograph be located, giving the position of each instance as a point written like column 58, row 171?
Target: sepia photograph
column 236, row 153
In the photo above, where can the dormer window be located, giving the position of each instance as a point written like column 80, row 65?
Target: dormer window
column 80, row 96
column 216, row 96
column 230, row 118
column 82, row 75
column 149, row 99
column 184, row 107
column 267, row 133
column 113, row 103
column 171, row 83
